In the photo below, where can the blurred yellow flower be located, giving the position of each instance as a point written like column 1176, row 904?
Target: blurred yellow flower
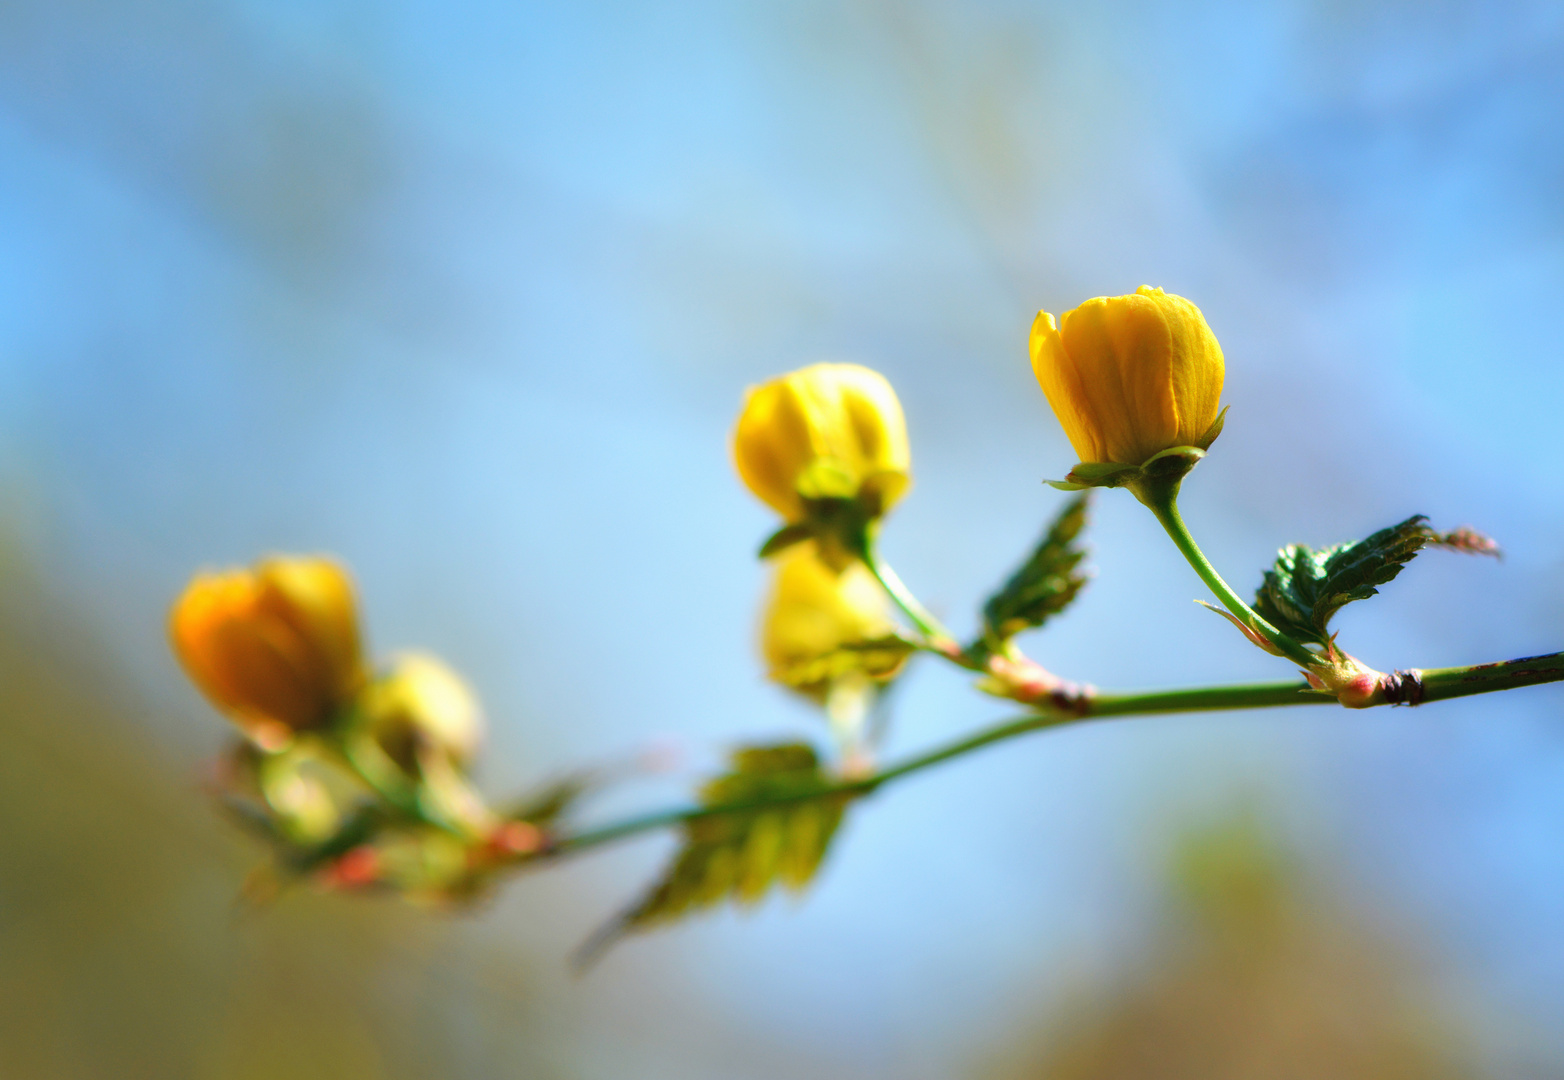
column 276, row 647
column 306, row 791
column 815, row 613
column 422, row 703
column 1130, row 376
column 824, row 431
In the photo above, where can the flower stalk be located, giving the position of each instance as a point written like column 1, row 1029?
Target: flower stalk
column 1007, row 672
column 1162, row 500
column 935, row 636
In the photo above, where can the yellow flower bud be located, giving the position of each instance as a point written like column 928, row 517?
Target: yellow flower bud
column 1130, row 376
column 276, row 647
column 813, row 612
column 422, row 703
column 824, row 431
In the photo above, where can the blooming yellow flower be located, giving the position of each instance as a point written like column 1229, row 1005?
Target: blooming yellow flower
column 1130, row 376
column 276, row 647
column 824, row 431
column 813, row 612
column 422, row 702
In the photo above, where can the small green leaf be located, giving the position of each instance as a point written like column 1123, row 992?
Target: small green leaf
column 1306, row 587
column 1046, row 583
column 786, row 537
column 776, row 832
column 546, row 805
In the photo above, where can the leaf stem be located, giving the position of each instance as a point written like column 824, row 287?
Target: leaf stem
column 1162, row 500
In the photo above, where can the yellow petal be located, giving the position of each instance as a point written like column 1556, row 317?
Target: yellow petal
column 1197, row 365
column 275, row 647
column 769, row 442
column 1062, row 386
column 1129, row 376
column 824, row 431
column 422, row 702
column 814, row 611
column 315, row 598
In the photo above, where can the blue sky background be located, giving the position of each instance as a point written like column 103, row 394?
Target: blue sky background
column 469, row 295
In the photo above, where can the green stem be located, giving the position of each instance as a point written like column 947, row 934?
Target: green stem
column 1258, row 695
column 1162, row 500
column 1437, row 684
column 1105, row 706
column 936, row 635
column 1453, row 682
column 364, row 758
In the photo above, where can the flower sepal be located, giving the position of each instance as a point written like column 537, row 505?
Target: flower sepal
column 1168, row 466
column 1163, row 467
column 786, row 537
column 838, row 526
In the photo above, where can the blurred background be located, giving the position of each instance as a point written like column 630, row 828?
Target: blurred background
column 469, row 294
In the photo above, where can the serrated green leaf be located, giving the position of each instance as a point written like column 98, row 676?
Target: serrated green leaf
column 1046, row 583
column 1306, row 587
column 740, row 854
column 808, row 832
column 761, row 856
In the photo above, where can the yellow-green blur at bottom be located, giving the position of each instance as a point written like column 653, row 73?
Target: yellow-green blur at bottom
column 1130, row 376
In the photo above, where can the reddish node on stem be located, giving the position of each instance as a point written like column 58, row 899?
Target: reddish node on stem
column 1360, row 691
column 1025, row 679
column 1030, row 683
column 516, row 838
column 947, row 647
column 353, row 869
